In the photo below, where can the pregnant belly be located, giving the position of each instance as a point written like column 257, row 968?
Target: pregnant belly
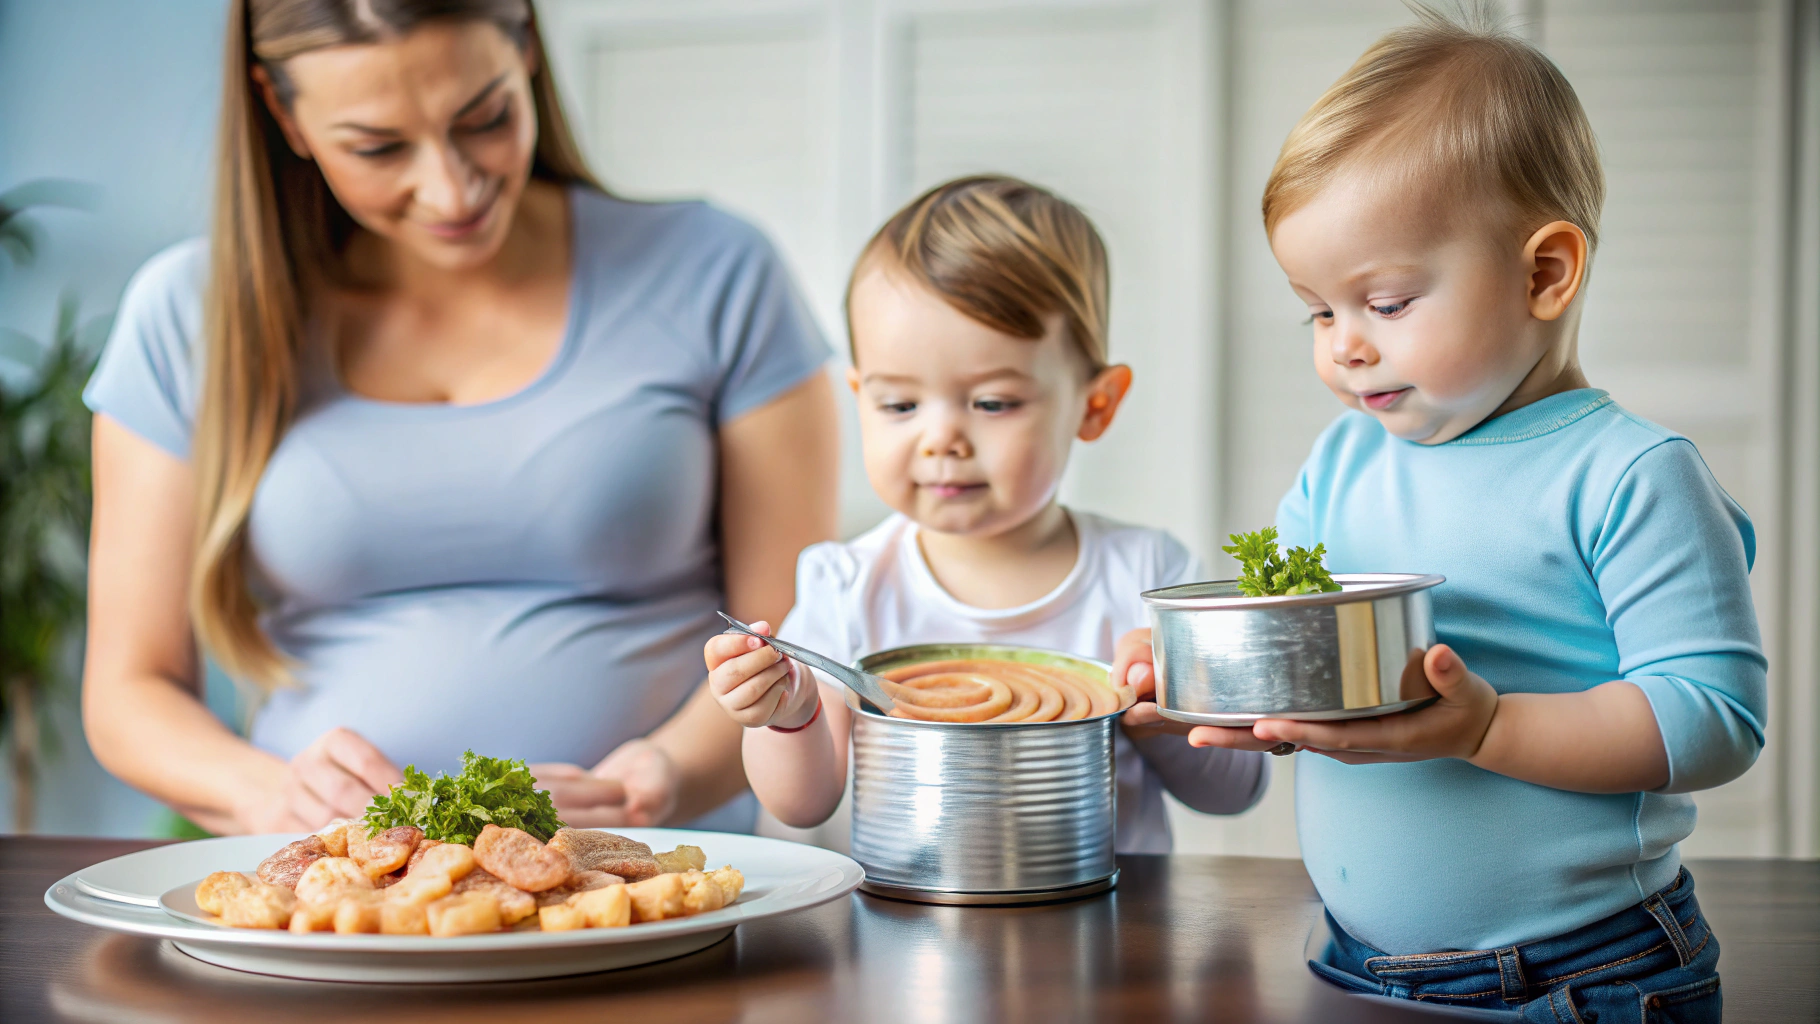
column 506, row 672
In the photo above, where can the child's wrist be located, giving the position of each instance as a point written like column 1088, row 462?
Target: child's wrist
column 1484, row 749
column 802, row 702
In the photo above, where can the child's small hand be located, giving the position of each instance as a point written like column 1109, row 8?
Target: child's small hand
column 1453, row 726
column 756, row 685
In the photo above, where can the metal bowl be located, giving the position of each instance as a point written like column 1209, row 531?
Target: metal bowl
column 1226, row 659
column 983, row 812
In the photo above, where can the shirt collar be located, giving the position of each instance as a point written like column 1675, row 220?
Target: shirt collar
column 1537, row 418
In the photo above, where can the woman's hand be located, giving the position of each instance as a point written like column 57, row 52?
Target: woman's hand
column 583, row 800
column 649, row 778
column 756, row 685
column 1453, row 726
column 336, row 776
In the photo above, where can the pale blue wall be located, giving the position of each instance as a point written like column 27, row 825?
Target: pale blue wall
column 122, row 94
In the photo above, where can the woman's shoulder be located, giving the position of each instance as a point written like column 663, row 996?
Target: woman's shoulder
column 146, row 378
column 689, row 234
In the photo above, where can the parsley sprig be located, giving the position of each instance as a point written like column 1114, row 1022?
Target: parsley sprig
column 1269, row 574
column 488, row 790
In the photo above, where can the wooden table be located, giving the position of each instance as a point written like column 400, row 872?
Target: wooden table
column 1182, row 938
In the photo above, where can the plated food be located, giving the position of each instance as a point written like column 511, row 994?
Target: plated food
column 350, row 881
column 431, row 857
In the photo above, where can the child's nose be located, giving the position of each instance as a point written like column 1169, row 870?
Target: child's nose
column 946, row 442
column 1350, row 348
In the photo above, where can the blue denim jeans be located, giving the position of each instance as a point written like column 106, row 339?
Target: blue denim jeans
column 1657, row 961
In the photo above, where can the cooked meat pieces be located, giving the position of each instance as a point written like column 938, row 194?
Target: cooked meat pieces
column 516, row 856
column 589, row 850
column 514, row 904
column 285, row 867
column 383, row 852
column 580, row 881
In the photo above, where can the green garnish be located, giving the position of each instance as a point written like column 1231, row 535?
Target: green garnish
column 1268, row 575
column 489, row 790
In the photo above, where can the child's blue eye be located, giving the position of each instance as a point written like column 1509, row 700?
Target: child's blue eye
column 994, row 405
column 1391, row 309
column 898, row 407
column 1325, row 316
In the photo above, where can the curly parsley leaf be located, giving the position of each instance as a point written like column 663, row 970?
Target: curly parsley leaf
column 489, row 790
column 1264, row 572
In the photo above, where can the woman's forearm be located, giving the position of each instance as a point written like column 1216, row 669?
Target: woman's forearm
column 158, row 738
column 1602, row 740
column 703, row 744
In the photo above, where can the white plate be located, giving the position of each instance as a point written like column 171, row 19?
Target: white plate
column 781, row 878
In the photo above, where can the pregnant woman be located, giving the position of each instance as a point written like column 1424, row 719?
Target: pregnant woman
column 434, row 445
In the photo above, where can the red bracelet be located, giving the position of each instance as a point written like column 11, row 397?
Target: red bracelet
column 817, row 713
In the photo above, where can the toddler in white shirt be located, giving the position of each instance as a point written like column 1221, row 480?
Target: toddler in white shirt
column 978, row 320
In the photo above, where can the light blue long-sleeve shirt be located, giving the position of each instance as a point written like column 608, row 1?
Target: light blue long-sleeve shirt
column 1581, row 544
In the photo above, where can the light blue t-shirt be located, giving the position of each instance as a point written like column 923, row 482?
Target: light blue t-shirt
column 1581, row 544
column 531, row 577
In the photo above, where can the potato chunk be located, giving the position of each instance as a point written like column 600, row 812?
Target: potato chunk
column 323, row 881
column 420, row 889
column 258, row 906
column 701, row 894
column 609, row 907
column 683, row 858
column 358, row 913
column 580, row 881
column 466, row 914
column 514, row 904
column 730, row 879
column 450, row 860
column 334, row 836
column 518, row 859
column 656, row 899
column 212, row 894
column 309, row 916
column 561, row 917
column 397, row 918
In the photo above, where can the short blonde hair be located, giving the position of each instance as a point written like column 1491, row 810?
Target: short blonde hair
column 1003, row 252
column 1461, row 105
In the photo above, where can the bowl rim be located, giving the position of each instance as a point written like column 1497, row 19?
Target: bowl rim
column 876, row 657
column 1369, row 586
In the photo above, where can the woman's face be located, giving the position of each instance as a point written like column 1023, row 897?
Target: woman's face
column 427, row 140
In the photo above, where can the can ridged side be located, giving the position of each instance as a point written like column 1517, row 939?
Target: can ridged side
column 1007, row 808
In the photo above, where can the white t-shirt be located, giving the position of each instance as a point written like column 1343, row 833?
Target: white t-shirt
column 876, row 592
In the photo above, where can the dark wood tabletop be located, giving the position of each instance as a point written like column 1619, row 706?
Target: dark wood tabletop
column 1181, row 938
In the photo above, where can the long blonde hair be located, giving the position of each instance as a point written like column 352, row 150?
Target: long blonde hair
column 277, row 234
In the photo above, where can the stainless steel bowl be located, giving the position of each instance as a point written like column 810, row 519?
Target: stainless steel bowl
column 1226, row 659
column 988, row 812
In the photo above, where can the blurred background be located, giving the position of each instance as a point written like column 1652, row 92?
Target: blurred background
column 817, row 118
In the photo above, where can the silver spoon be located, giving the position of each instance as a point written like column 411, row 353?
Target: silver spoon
column 869, row 687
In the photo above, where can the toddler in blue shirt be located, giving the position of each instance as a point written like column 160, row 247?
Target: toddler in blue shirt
column 1513, row 845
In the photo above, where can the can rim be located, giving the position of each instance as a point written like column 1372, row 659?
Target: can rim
column 1366, row 586
column 870, row 661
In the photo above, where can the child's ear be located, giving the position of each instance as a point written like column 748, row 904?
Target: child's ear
column 1556, row 258
column 1104, row 394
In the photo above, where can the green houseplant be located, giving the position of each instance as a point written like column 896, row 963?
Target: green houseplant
column 44, row 505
